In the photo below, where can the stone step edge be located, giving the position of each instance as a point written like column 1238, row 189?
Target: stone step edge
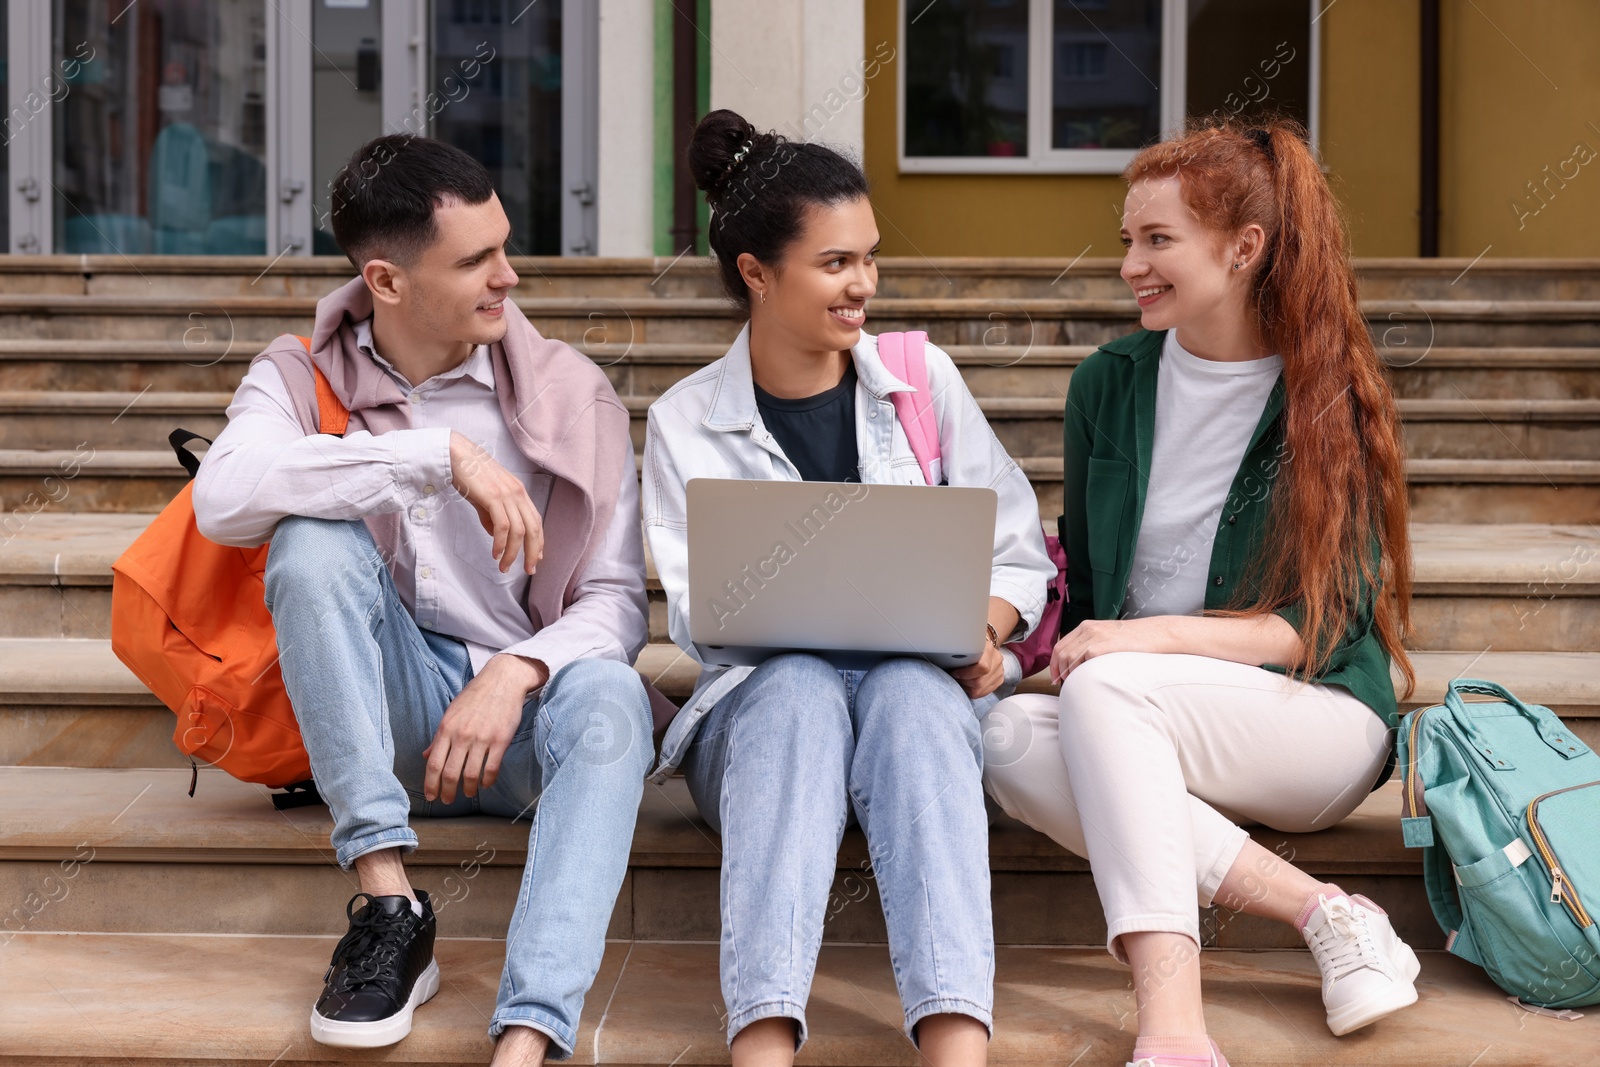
column 158, row 463
column 145, row 816
column 43, row 671
column 178, row 402
column 1388, row 310
column 77, row 550
column 1510, row 357
column 658, row 1003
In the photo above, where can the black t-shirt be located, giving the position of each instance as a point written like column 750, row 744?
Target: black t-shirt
column 817, row 433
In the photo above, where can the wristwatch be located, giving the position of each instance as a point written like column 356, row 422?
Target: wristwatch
column 994, row 635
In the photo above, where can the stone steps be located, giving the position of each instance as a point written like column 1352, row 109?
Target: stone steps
column 1435, row 428
column 221, row 909
column 69, row 701
column 1512, row 588
column 77, row 1000
column 1093, row 277
column 90, row 479
column 641, row 369
column 207, row 863
column 1015, row 324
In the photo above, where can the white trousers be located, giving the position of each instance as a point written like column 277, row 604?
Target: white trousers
column 1146, row 763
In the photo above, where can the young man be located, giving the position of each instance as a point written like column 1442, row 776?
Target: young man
column 457, row 585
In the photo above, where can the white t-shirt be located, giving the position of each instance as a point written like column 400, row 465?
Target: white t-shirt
column 1206, row 412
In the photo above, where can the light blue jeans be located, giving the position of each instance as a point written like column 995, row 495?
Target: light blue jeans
column 369, row 689
column 779, row 766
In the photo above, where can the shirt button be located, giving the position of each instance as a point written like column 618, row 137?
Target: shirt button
column 428, row 489
column 415, row 398
column 872, row 414
column 1217, row 580
column 1232, row 519
column 419, row 514
column 427, row 572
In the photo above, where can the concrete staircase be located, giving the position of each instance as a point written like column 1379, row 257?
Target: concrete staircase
column 142, row 925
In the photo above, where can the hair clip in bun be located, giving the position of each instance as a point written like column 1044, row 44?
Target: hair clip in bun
column 738, row 157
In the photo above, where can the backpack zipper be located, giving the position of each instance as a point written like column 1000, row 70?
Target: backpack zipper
column 1558, row 879
column 1411, row 775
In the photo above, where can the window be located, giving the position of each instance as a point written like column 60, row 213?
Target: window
column 160, row 136
column 1078, row 86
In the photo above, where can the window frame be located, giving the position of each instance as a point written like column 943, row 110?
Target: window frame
column 1041, row 157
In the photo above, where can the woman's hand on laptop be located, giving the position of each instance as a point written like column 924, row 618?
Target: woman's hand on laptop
column 502, row 503
column 989, row 673
column 984, row 676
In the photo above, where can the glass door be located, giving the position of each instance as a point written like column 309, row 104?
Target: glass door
column 346, row 98
column 215, row 127
column 160, row 134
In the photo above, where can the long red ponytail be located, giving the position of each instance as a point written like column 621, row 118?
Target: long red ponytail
column 1342, row 480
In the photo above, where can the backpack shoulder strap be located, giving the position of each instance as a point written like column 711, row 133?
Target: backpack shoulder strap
column 904, row 355
column 332, row 416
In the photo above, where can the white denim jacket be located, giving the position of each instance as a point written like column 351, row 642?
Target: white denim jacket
column 708, row 426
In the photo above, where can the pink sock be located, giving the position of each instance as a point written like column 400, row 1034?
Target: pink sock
column 1179, row 1052
column 1315, row 899
column 1313, row 902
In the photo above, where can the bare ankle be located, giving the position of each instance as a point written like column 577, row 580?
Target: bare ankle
column 520, row 1046
column 382, row 874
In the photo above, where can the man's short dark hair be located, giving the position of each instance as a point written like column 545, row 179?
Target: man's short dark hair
column 383, row 200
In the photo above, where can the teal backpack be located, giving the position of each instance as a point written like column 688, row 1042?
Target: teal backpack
column 1505, row 803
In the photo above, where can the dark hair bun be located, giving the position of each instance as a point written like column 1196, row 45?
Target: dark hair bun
column 759, row 186
column 715, row 147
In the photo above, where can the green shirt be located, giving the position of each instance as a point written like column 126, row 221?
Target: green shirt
column 1110, row 434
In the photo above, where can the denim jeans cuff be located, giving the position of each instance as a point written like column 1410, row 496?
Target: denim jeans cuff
column 948, row 1006
column 402, row 837
column 562, row 1037
column 770, row 1009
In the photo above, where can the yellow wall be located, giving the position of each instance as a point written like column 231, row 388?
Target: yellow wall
column 1371, row 103
column 1523, row 87
column 1502, row 122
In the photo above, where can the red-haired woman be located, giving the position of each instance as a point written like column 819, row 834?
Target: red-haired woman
column 1239, row 576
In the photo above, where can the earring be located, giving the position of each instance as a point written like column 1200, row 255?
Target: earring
column 763, row 295
column 1236, row 266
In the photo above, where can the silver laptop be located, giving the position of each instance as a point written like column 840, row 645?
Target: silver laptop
column 852, row 573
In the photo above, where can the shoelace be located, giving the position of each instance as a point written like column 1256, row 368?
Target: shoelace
column 1344, row 943
column 371, row 947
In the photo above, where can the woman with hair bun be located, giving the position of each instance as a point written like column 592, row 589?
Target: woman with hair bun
column 1239, row 575
column 781, row 757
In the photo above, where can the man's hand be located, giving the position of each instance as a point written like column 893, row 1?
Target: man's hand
column 1096, row 637
column 985, row 676
column 478, row 726
column 501, row 501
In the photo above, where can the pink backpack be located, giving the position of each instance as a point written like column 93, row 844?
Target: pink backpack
column 903, row 355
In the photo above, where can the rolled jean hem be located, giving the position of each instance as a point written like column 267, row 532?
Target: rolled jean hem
column 402, row 837
column 1214, row 874
column 562, row 1038
column 781, row 1007
column 948, row 1006
column 1187, row 925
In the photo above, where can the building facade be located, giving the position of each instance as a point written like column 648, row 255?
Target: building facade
column 988, row 127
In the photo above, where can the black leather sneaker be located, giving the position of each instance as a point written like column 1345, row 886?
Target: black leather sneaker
column 382, row 969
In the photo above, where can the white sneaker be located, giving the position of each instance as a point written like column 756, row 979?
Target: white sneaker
column 1367, row 971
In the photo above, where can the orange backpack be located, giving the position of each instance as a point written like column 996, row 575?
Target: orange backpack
column 189, row 618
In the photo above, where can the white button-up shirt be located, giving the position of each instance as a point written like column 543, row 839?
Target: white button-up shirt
column 263, row 467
